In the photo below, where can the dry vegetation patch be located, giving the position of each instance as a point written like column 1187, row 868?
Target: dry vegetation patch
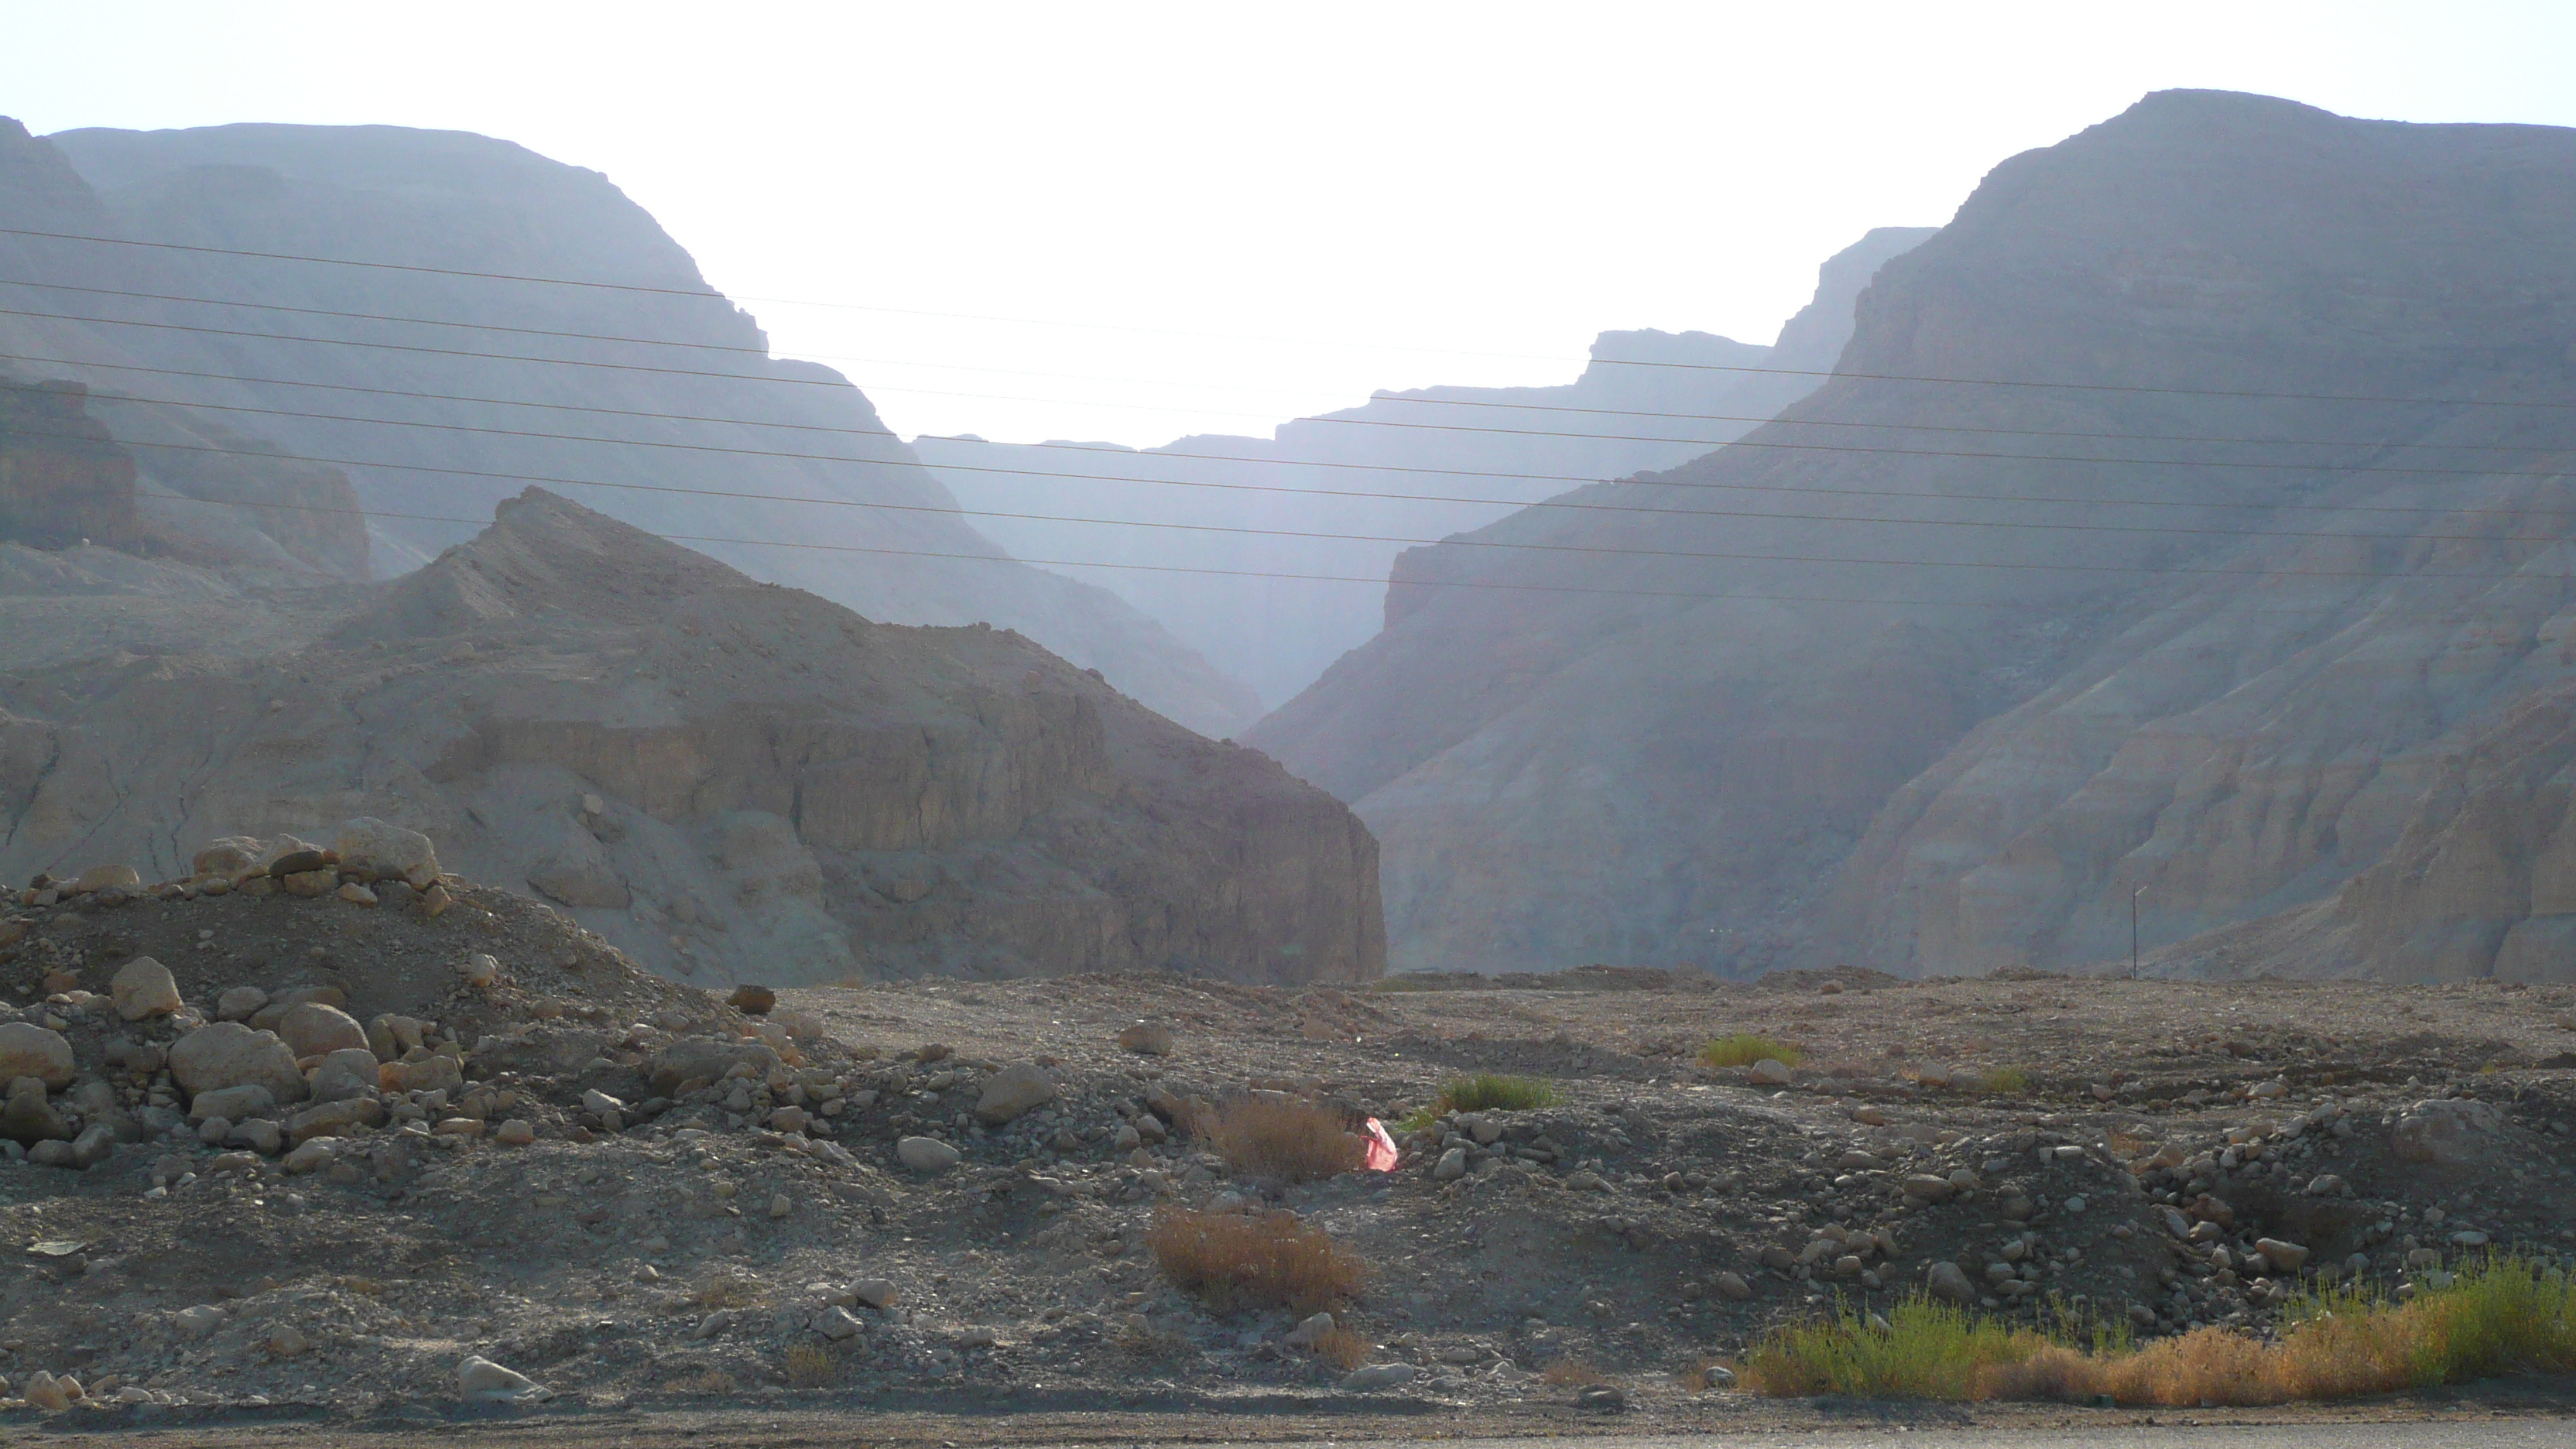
column 1239, row 1260
column 1284, row 1142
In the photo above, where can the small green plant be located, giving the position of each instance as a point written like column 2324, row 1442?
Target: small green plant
column 1745, row 1048
column 1923, row 1349
column 1494, row 1092
column 2007, row 1082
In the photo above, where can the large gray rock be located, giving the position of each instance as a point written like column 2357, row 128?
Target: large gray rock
column 143, row 987
column 233, row 1104
column 312, row 1029
column 1021, row 1087
column 29, row 1050
column 29, row 1118
column 925, row 1154
column 369, row 844
column 345, row 1073
column 2453, row 1132
column 228, row 1054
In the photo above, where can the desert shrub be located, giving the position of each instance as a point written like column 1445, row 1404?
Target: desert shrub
column 1237, row 1260
column 815, row 1366
column 1568, row 1373
column 2006, row 1082
column 725, row 1290
column 1283, row 1141
column 1343, row 1348
column 1494, row 1092
column 1744, row 1048
column 2504, row 1316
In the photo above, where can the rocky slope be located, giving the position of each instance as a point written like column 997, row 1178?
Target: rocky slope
column 727, row 779
column 1947, row 700
column 446, row 394
column 1647, row 400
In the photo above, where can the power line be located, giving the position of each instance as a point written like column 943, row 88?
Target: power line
column 1385, row 397
column 1354, row 493
column 1712, row 443
column 1088, row 448
column 1315, row 578
column 1709, row 556
column 711, row 294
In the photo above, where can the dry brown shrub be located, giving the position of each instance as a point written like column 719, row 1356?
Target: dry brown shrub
column 1283, row 1141
column 2208, row 1365
column 1233, row 1260
column 815, row 1366
column 1572, row 1372
column 725, row 1290
column 1343, row 1348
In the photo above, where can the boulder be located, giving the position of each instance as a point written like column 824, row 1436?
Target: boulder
column 143, row 987
column 229, row 1054
column 1770, row 1072
column 334, row 1119
column 95, row 1144
column 267, row 1017
column 29, row 1050
column 2455, row 1132
column 348, row 1072
column 752, row 1000
column 484, row 1381
column 240, row 1003
column 109, row 878
column 1949, row 1283
column 436, row 1072
column 311, row 1156
column 233, row 1104
column 705, row 1058
column 312, row 1029
column 1013, row 1090
column 29, row 1118
column 876, row 1293
column 371, row 845
column 1370, row 1377
column 479, row 969
column 836, row 1324
column 925, row 1154
column 227, row 858
column 2285, row 1257
column 1147, row 1039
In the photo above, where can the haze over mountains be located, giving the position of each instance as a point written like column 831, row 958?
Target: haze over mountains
column 1455, row 457
column 1944, row 702
column 487, row 395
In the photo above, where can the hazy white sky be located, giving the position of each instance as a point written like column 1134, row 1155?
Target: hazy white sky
column 1210, row 217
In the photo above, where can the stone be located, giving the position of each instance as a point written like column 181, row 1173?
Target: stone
column 335, row 1119
column 780, row 1205
column 836, row 1324
column 312, row 884
column 752, row 1000
column 925, row 1154
column 1022, row 1087
column 143, row 987
column 705, row 1059
column 599, row 1103
column 2284, row 1256
column 457, row 1127
column 2454, row 1132
column 1719, row 1376
column 313, row 1029
column 229, row 1054
column 479, row 969
column 1732, row 1286
column 1451, row 1166
column 1147, row 1039
column 227, row 858
column 348, row 1072
column 516, row 1132
column 304, row 860
column 1870, row 1116
column 260, row 1135
column 240, row 1003
column 371, row 845
column 202, row 1321
column 48, row 1393
column 390, row 1036
column 1306, row 1332
column 109, row 878
column 233, row 1103
column 790, row 1119
column 1605, row 1398
column 1927, row 1186
column 311, row 1156
column 2324, row 1184
column 876, row 1293
column 29, row 1050
column 355, row 894
column 436, row 1072
column 95, row 1144
column 2076, row 1204
column 288, row 1341
column 1371, row 1377
column 29, row 1118
column 483, row 1381
column 1950, row 1284
column 1770, row 1072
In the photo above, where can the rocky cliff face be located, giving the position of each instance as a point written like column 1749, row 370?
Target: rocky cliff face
column 1946, row 700
column 446, row 394
column 728, row 779
column 1647, row 400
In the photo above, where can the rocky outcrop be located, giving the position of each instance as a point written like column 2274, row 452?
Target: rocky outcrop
column 727, row 779
column 63, row 480
column 1464, row 455
column 1945, row 701
column 691, row 429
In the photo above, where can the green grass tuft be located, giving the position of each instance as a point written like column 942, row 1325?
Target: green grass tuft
column 1494, row 1092
column 1745, row 1048
column 1926, row 1350
column 2007, row 1082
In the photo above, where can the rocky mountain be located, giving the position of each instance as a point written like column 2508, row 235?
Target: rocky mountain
column 725, row 778
column 2245, row 595
column 1647, row 400
column 434, row 395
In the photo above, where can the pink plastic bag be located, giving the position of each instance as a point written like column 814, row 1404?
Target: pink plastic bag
column 1381, row 1148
